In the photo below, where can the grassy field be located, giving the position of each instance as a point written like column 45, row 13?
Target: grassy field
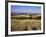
column 25, row 24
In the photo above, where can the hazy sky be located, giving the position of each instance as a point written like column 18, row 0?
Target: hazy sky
column 25, row 9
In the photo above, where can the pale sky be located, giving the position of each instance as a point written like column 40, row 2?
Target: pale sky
column 25, row 9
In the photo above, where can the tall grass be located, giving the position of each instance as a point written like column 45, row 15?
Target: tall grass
column 25, row 24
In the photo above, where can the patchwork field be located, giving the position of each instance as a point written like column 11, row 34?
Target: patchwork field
column 25, row 24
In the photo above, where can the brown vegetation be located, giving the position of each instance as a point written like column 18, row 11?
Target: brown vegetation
column 24, row 24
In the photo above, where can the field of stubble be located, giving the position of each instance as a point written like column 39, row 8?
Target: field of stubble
column 25, row 24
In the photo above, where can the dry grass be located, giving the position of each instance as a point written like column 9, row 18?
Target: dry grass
column 25, row 24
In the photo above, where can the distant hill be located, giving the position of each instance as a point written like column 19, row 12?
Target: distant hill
column 19, row 13
column 35, row 13
column 36, row 17
column 26, row 15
